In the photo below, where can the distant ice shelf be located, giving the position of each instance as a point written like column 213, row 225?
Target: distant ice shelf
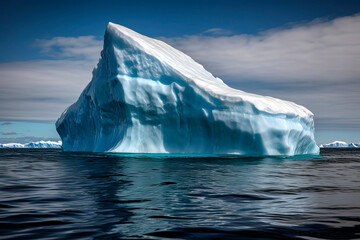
column 340, row 144
column 38, row 144
column 148, row 97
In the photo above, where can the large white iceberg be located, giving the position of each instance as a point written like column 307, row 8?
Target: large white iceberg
column 147, row 97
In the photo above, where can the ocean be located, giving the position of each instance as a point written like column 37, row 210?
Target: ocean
column 50, row 194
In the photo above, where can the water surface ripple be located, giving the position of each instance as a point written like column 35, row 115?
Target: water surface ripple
column 56, row 195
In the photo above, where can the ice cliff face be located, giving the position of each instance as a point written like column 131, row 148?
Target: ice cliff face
column 147, row 97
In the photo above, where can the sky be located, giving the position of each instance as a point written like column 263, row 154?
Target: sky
column 303, row 51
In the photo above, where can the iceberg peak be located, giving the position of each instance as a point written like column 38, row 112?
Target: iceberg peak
column 195, row 73
column 148, row 97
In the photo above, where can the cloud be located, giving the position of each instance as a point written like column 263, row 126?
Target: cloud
column 326, row 51
column 217, row 32
column 41, row 90
column 8, row 133
column 315, row 64
column 83, row 47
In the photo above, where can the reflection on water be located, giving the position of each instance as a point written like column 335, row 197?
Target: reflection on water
column 56, row 195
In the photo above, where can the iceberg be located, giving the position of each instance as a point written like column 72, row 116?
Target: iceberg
column 38, row 144
column 340, row 144
column 12, row 145
column 148, row 97
column 43, row 144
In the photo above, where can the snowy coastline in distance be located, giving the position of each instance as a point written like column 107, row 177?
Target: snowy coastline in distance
column 340, row 144
column 38, row 144
column 53, row 144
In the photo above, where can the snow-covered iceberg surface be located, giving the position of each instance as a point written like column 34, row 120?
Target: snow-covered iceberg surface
column 147, row 97
column 340, row 144
column 38, row 144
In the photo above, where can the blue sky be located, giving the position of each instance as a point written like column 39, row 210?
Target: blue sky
column 22, row 22
column 48, row 50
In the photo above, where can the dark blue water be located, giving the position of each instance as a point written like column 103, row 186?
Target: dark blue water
column 50, row 194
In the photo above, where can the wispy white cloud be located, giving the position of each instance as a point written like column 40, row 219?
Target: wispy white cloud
column 83, row 47
column 217, row 32
column 325, row 51
column 41, row 90
column 8, row 133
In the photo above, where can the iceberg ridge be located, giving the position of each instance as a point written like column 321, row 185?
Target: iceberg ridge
column 148, row 97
